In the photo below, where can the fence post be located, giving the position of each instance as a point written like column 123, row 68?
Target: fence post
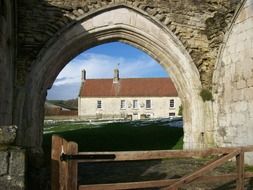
column 63, row 173
column 56, row 166
column 240, row 171
column 72, row 166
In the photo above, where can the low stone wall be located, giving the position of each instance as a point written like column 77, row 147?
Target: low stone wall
column 12, row 161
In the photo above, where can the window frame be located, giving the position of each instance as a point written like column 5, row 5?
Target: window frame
column 172, row 102
column 99, row 104
column 135, row 104
column 122, row 105
column 150, row 104
column 172, row 114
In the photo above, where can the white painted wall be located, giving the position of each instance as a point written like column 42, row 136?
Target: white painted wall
column 160, row 107
column 233, row 85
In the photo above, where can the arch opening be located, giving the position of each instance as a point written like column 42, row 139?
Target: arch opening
column 131, row 27
column 127, row 72
column 95, row 74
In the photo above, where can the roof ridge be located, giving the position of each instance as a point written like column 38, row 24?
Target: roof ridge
column 145, row 87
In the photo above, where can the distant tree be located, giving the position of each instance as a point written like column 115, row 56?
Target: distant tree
column 180, row 111
column 70, row 104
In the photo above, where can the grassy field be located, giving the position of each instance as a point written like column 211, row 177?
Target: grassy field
column 116, row 136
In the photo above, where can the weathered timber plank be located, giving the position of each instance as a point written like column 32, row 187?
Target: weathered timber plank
column 72, row 148
column 129, row 185
column 240, row 171
column 247, row 148
column 161, row 154
column 146, row 155
column 55, row 155
column 59, row 170
column 189, row 178
column 158, row 183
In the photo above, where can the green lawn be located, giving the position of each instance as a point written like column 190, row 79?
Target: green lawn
column 116, row 136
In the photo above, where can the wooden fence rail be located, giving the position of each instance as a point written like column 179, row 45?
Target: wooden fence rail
column 65, row 158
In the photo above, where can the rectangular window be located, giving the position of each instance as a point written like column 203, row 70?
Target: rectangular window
column 99, row 104
column 148, row 104
column 172, row 103
column 123, row 104
column 135, row 104
column 172, row 114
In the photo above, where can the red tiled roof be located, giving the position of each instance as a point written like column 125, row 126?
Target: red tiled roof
column 129, row 87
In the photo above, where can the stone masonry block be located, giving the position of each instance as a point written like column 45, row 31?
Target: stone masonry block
column 249, row 11
column 223, row 121
column 241, row 84
column 9, row 183
column 250, row 82
column 248, row 3
column 17, row 162
column 240, row 106
column 3, row 163
column 5, row 182
column 237, row 95
column 248, row 93
column 7, row 134
column 238, row 119
column 250, row 107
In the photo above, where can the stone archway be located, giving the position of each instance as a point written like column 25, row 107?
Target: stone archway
column 120, row 23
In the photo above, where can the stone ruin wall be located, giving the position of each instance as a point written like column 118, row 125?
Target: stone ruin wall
column 199, row 24
column 12, row 169
column 12, row 161
column 233, row 84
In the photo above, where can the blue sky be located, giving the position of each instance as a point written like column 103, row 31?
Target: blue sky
column 99, row 62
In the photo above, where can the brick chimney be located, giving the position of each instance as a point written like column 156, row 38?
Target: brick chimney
column 116, row 76
column 83, row 77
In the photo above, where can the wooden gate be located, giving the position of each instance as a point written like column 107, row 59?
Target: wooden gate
column 65, row 158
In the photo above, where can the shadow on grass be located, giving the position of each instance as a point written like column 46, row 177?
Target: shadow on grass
column 132, row 171
column 115, row 137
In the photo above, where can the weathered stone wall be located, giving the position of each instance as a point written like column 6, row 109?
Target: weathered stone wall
column 233, row 84
column 200, row 25
column 12, row 169
column 7, row 43
column 12, row 161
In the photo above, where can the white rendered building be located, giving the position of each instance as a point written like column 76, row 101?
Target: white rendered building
column 127, row 98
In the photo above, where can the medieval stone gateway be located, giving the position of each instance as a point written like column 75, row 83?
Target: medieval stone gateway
column 205, row 45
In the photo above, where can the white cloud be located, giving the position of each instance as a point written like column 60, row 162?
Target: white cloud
column 64, row 92
column 102, row 66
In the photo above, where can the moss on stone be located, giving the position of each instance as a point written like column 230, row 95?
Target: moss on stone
column 206, row 95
